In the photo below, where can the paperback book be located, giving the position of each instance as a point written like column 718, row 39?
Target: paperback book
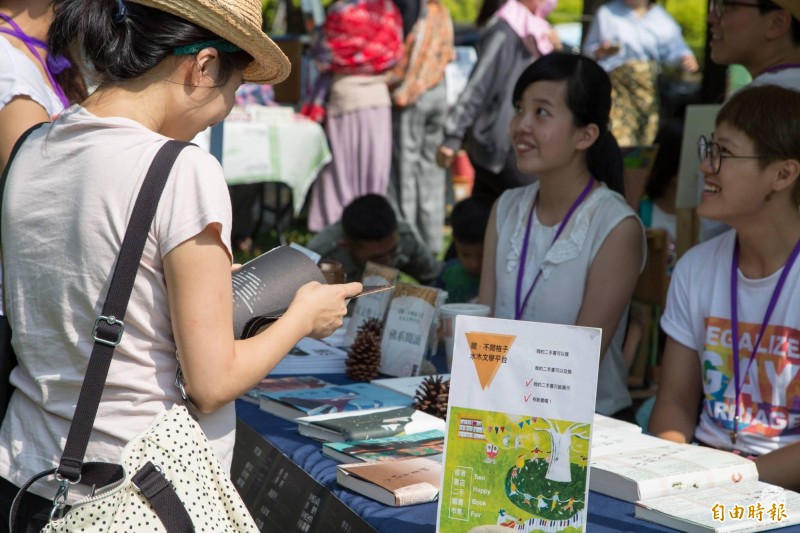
column 407, row 329
column 291, row 405
column 519, row 426
column 264, row 287
column 283, row 384
column 395, row 483
column 370, row 424
column 312, row 355
column 426, row 444
column 407, row 385
column 375, row 305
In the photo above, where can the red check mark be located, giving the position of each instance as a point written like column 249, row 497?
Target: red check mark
column 528, row 382
column 527, row 397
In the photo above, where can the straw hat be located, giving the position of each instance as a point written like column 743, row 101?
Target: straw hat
column 236, row 21
column 792, row 6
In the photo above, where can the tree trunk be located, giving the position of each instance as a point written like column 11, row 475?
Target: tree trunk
column 559, row 469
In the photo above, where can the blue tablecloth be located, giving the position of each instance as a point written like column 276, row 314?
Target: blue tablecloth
column 606, row 514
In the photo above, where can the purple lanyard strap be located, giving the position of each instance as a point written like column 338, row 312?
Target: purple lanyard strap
column 53, row 65
column 782, row 66
column 737, row 383
column 519, row 307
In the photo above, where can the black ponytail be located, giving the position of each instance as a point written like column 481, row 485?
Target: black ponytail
column 124, row 44
column 589, row 100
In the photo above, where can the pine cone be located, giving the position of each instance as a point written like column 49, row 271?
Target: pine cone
column 431, row 396
column 364, row 358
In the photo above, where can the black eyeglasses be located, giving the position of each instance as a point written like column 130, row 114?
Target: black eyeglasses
column 718, row 6
column 713, row 152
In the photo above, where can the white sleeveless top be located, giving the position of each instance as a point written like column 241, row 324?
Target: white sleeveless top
column 558, row 295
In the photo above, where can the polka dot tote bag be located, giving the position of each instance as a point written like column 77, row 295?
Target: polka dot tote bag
column 176, row 445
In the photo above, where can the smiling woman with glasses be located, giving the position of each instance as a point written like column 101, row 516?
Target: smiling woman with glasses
column 733, row 309
column 714, row 153
column 718, row 7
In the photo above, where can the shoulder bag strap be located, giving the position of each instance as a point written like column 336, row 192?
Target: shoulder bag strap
column 109, row 326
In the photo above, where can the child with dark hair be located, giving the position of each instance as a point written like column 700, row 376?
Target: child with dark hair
column 369, row 231
column 567, row 249
column 461, row 275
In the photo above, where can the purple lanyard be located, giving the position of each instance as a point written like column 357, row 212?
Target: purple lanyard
column 737, row 384
column 520, row 307
column 782, row 66
column 52, row 65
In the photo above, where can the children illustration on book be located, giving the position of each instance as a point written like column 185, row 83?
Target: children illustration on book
column 522, row 472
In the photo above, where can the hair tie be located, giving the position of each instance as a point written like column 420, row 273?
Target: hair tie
column 220, row 44
column 122, row 12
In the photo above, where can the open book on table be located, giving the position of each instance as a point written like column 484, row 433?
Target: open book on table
column 739, row 507
column 632, row 466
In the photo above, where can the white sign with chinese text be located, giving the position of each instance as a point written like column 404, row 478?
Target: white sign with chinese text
column 521, row 407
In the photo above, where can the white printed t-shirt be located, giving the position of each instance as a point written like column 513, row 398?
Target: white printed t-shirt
column 68, row 200
column 698, row 315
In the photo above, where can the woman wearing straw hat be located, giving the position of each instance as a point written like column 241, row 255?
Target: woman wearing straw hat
column 167, row 69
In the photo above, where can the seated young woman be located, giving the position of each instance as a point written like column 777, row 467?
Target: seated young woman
column 567, row 249
column 730, row 369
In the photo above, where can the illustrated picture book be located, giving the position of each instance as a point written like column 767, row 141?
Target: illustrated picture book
column 426, row 444
column 519, row 426
column 394, row 483
column 304, row 402
column 368, row 424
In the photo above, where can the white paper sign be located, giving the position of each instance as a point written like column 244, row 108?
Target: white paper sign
column 521, row 407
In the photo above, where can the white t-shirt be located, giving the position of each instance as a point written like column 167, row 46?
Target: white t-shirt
column 19, row 76
column 558, row 296
column 698, row 315
column 69, row 196
column 788, row 78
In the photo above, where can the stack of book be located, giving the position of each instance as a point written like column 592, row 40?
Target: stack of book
column 311, row 355
column 687, row 487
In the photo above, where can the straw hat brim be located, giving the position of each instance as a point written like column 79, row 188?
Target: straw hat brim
column 792, row 6
column 230, row 20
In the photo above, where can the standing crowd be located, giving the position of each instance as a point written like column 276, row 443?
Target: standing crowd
column 547, row 235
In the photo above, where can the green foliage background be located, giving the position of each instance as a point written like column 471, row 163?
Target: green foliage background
column 690, row 14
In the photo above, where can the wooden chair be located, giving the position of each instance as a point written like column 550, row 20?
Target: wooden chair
column 649, row 298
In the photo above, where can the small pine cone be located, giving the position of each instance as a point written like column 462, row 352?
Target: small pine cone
column 364, row 358
column 431, row 396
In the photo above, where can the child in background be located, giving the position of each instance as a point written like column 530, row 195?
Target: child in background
column 732, row 309
column 461, row 275
column 567, row 249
